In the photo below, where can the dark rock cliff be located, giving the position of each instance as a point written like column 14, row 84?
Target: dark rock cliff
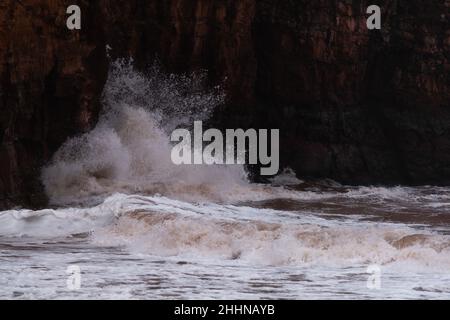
column 354, row 105
column 50, row 83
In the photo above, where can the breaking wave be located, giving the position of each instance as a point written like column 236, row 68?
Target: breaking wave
column 166, row 227
column 129, row 150
column 118, row 186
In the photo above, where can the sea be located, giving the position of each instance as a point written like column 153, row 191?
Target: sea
column 124, row 222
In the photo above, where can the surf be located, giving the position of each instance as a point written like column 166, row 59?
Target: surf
column 120, row 208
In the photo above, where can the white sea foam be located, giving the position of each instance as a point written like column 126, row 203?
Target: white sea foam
column 271, row 237
column 129, row 150
column 166, row 227
column 286, row 178
column 117, row 186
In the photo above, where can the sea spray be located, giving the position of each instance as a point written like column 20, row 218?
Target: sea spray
column 129, row 149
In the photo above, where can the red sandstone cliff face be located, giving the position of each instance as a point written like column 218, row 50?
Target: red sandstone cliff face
column 50, row 83
column 355, row 105
column 368, row 106
column 187, row 35
column 312, row 50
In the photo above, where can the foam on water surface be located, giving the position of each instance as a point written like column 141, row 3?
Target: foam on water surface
column 140, row 227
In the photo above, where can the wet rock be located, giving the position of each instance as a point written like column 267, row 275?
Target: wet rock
column 50, row 84
column 354, row 105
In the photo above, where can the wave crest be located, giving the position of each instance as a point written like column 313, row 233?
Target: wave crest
column 129, row 149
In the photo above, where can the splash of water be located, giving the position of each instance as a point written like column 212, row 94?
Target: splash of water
column 159, row 211
column 129, row 149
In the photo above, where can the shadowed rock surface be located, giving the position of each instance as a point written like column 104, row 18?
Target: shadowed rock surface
column 353, row 105
column 50, row 83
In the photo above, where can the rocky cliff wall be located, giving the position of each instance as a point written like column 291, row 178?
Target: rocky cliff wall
column 354, row 105
column 50, row 84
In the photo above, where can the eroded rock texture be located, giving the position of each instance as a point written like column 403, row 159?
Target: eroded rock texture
column 354, row 105
column 50, row 84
